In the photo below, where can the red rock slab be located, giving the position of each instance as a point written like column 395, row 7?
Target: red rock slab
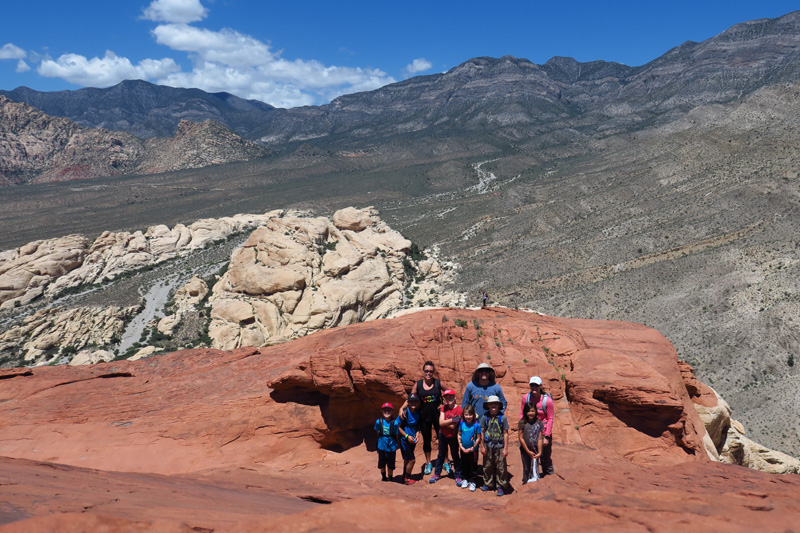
column 147, row 501
column 617, row 387
column 589, row 490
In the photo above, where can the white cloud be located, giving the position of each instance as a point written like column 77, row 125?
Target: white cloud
column 175, row 11
column 22, row 66
column 10, row 51
column 230, row 61
column 418, row 65
column 227, row 46
column 224, row 60
column 109, row 70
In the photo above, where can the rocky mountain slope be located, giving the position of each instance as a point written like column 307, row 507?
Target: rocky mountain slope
column 35, row 147
column 275, row 432
column 144, row 109
column 505, row 100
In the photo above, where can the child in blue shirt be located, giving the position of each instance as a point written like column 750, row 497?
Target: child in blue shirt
column 386, row 427
column 408, row 427
column 469, row 435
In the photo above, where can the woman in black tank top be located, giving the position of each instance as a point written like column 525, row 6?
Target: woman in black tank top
column 429, row 390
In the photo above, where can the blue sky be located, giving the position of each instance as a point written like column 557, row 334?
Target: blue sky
column 309, row 52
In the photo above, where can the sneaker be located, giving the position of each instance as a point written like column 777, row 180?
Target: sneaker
column 410, row 481
column 464, row 484
column 484, row 488
column 447, row 467
column 500, row 491
column 458, row 482
column 434, row 478
column 428, row 468
column 472, row 487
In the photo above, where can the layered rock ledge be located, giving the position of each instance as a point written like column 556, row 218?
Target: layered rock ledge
column 293, row 420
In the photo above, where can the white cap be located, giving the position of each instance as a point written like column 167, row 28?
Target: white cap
column 536, row 379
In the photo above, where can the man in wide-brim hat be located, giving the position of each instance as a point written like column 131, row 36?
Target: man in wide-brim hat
column 482, row 386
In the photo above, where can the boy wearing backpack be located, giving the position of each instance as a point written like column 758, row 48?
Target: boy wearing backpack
column 494, row 446
column 546, row 413
column 386, row 426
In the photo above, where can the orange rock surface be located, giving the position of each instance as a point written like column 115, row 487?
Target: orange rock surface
column 222, row 440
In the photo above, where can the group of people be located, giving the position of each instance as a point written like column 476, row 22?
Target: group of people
column 479, row 426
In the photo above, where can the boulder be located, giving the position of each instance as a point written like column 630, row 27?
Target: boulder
column 91, row 357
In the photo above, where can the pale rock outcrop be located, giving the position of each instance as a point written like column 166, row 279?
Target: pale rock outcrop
column 116, row 253
column 90, row 357
column 43, row 336
column 186, row 298
column 25, row 273
column 296, row 275
column 726, row 435
column 743, row 451
column 147, row 351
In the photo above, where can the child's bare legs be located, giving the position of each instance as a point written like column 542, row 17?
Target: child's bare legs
column 409, row 468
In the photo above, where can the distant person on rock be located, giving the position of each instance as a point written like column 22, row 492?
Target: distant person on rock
column 429, row 389
column 484, row 298
column 469, row 441
column 530, row 443
column 546, row 413
column 449, row 420
column 482, row 386
column 386, row 426
column 494, row 446
column 408, row 427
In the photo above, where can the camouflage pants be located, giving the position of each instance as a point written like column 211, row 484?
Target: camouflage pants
column 494, row 468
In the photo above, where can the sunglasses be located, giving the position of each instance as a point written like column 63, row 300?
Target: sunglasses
column 427, row 371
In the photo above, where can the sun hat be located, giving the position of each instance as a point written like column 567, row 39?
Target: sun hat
column 387, row 405
column 535, row 379
column 449, row 392
column 491, row 399
column 484, row 366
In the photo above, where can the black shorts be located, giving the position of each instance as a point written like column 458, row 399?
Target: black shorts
column 386, row 459
column 409, row 451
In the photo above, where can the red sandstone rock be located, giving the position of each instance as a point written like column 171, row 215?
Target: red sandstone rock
column 292, row 421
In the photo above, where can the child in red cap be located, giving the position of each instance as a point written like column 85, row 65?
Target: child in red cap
column 386, row 426
column 449, row 420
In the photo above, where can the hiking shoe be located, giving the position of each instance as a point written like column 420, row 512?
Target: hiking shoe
column 447, row 468
column 434, row 478
column 484, row 488
column 410, row 481
column 458, row 482
column 464, row 484
column 384, row 478
column 472, row 487
column 500, row 491
column 428, row 468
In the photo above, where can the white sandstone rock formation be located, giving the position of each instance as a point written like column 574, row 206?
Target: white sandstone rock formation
column 115, row 253
column 186, row 298
column 44, row 335
column 26, row 272
column 90, row 357
column 50, row 266
column 147, row 351
column 296, row 275
column 733, row 447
